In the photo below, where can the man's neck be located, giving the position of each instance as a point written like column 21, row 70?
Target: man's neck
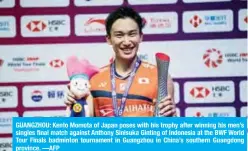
column 124, row 67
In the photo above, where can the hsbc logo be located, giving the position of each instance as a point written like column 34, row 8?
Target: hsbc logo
column 212, row 58
column 199, row 92
column 203, row 92
column 36, row 26
column 45, row 26
column 57, row 63
column 195, row 21
column 209, row 92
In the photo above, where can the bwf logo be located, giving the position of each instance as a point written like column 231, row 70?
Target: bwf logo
column 212, row 58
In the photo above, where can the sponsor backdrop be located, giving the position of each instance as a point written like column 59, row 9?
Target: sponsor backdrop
column 206, row 40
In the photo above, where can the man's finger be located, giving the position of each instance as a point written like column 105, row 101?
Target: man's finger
column 68, row 103
column 169, row 113
column 71, row 99
column 168, row 97
column 69, row 93
column 166, row 109
column 165, row 103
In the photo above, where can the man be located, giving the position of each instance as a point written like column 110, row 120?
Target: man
column 128, row 79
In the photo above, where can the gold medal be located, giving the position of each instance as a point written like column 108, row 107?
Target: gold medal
column 77, row 107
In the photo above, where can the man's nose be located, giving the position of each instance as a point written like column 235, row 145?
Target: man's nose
column 126, row 40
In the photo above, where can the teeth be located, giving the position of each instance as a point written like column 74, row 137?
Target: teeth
column 127, row 49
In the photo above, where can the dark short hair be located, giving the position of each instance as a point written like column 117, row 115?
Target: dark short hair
column 121, row 13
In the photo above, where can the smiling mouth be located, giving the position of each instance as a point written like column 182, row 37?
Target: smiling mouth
column 127, row 50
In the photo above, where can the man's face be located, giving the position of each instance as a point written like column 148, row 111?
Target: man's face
column 125, row 38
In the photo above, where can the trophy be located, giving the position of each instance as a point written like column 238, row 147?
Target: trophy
column 162, row 65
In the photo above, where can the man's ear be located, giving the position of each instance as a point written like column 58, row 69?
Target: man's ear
column 108, row 40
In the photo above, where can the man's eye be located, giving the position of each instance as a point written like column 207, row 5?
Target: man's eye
column 118, row 35
column 75, row 83
column 132, row 34
column 86, row 85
